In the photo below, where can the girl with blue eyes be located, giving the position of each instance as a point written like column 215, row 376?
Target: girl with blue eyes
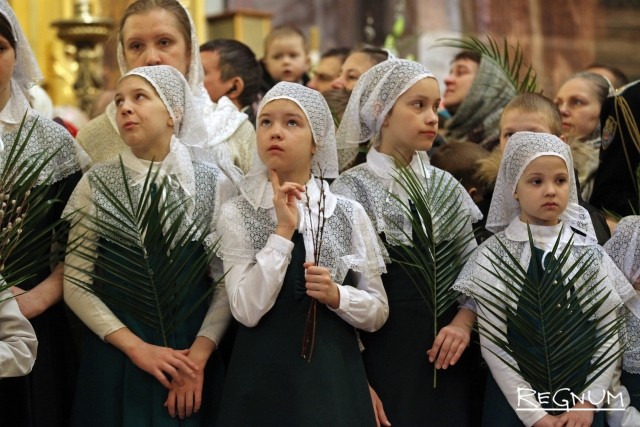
column 535, row 190
column 395, row 104
column 267, row 245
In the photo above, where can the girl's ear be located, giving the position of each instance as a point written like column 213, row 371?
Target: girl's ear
column 515, row 195
column 563, row 138
column 170, row 122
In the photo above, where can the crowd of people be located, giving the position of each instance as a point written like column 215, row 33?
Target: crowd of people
column 229, row 242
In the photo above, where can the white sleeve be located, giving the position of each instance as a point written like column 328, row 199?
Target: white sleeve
column 621, row 413
column 252, row 288
column 18, row 343
column 364, row 306
column 217, row 319
column 89, row 308
column 512, row 385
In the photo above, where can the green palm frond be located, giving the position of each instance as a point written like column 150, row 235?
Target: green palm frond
column 436, row 252
column 26, row 202
column 149, row 257
column 555, row 327
column 509, row 58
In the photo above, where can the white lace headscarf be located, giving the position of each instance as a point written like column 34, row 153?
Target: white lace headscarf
column 324, row 162
column 26, row 72
column 373, row 96
column 220, row 123
column 624, row 247
column 173, row 90
column 522, row 149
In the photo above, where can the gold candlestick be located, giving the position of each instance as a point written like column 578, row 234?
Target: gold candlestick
column 86, row 33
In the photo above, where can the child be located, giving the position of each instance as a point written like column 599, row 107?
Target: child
column 533, row 112
column 536, row 187
column 395, row 103
column 232, row 70
column 18, row 343
column 268, row 244
column 286, row 57
column 126, row 367
column 624, row 250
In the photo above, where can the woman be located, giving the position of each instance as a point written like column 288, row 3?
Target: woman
column 155, row 32
column 357, row 63
column 43, row 397
column 580, row 99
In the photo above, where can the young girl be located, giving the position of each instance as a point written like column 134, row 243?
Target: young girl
column 624, row 250
column 396, row 102
column 156, row 32
column 536, row 187
column 125, row 368
column 268, row 250
column 42, row 397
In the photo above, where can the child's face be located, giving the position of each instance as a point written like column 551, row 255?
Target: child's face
column 579, row 108
column 154, row 38
column 286, row 59
column 353, row 67
column 543, row 191
column 514, row 120
column 285, row 142
column 412, row 123
column 143, row 120
column 215, row 86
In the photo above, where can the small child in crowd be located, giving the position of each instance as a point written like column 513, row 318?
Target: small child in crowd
column 286, row 57
column 536, row 190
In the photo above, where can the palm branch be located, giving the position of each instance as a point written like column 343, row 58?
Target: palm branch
column 149, row 257
column 565, row 301
column 25, row 204
column 509, row 58
column 435, row 253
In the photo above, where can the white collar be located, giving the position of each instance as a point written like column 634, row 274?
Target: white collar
column 384, row 165
column 257, row 189
column 544, row 236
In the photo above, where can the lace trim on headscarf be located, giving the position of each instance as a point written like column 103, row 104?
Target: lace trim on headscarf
column 522, row 149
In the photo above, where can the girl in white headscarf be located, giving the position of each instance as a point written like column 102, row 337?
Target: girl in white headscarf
column 125, row 366
column 269, row 247
column 154, row 32
column 395, row 103
column 535, row 189
column 41, row 398
column 624, row 250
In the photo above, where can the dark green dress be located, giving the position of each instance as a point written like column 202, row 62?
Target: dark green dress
column 268, row 383
column 400, row 372
column 43, row 397
column 497, row 411
column 113, row 392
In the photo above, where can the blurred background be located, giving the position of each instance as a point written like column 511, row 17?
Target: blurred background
column 72, row 38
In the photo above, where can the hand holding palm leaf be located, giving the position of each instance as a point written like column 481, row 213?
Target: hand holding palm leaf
column 149, row 258
column 441, row 235
column 550, row 325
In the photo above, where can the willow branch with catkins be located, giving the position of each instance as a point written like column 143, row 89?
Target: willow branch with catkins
column 308, row 339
